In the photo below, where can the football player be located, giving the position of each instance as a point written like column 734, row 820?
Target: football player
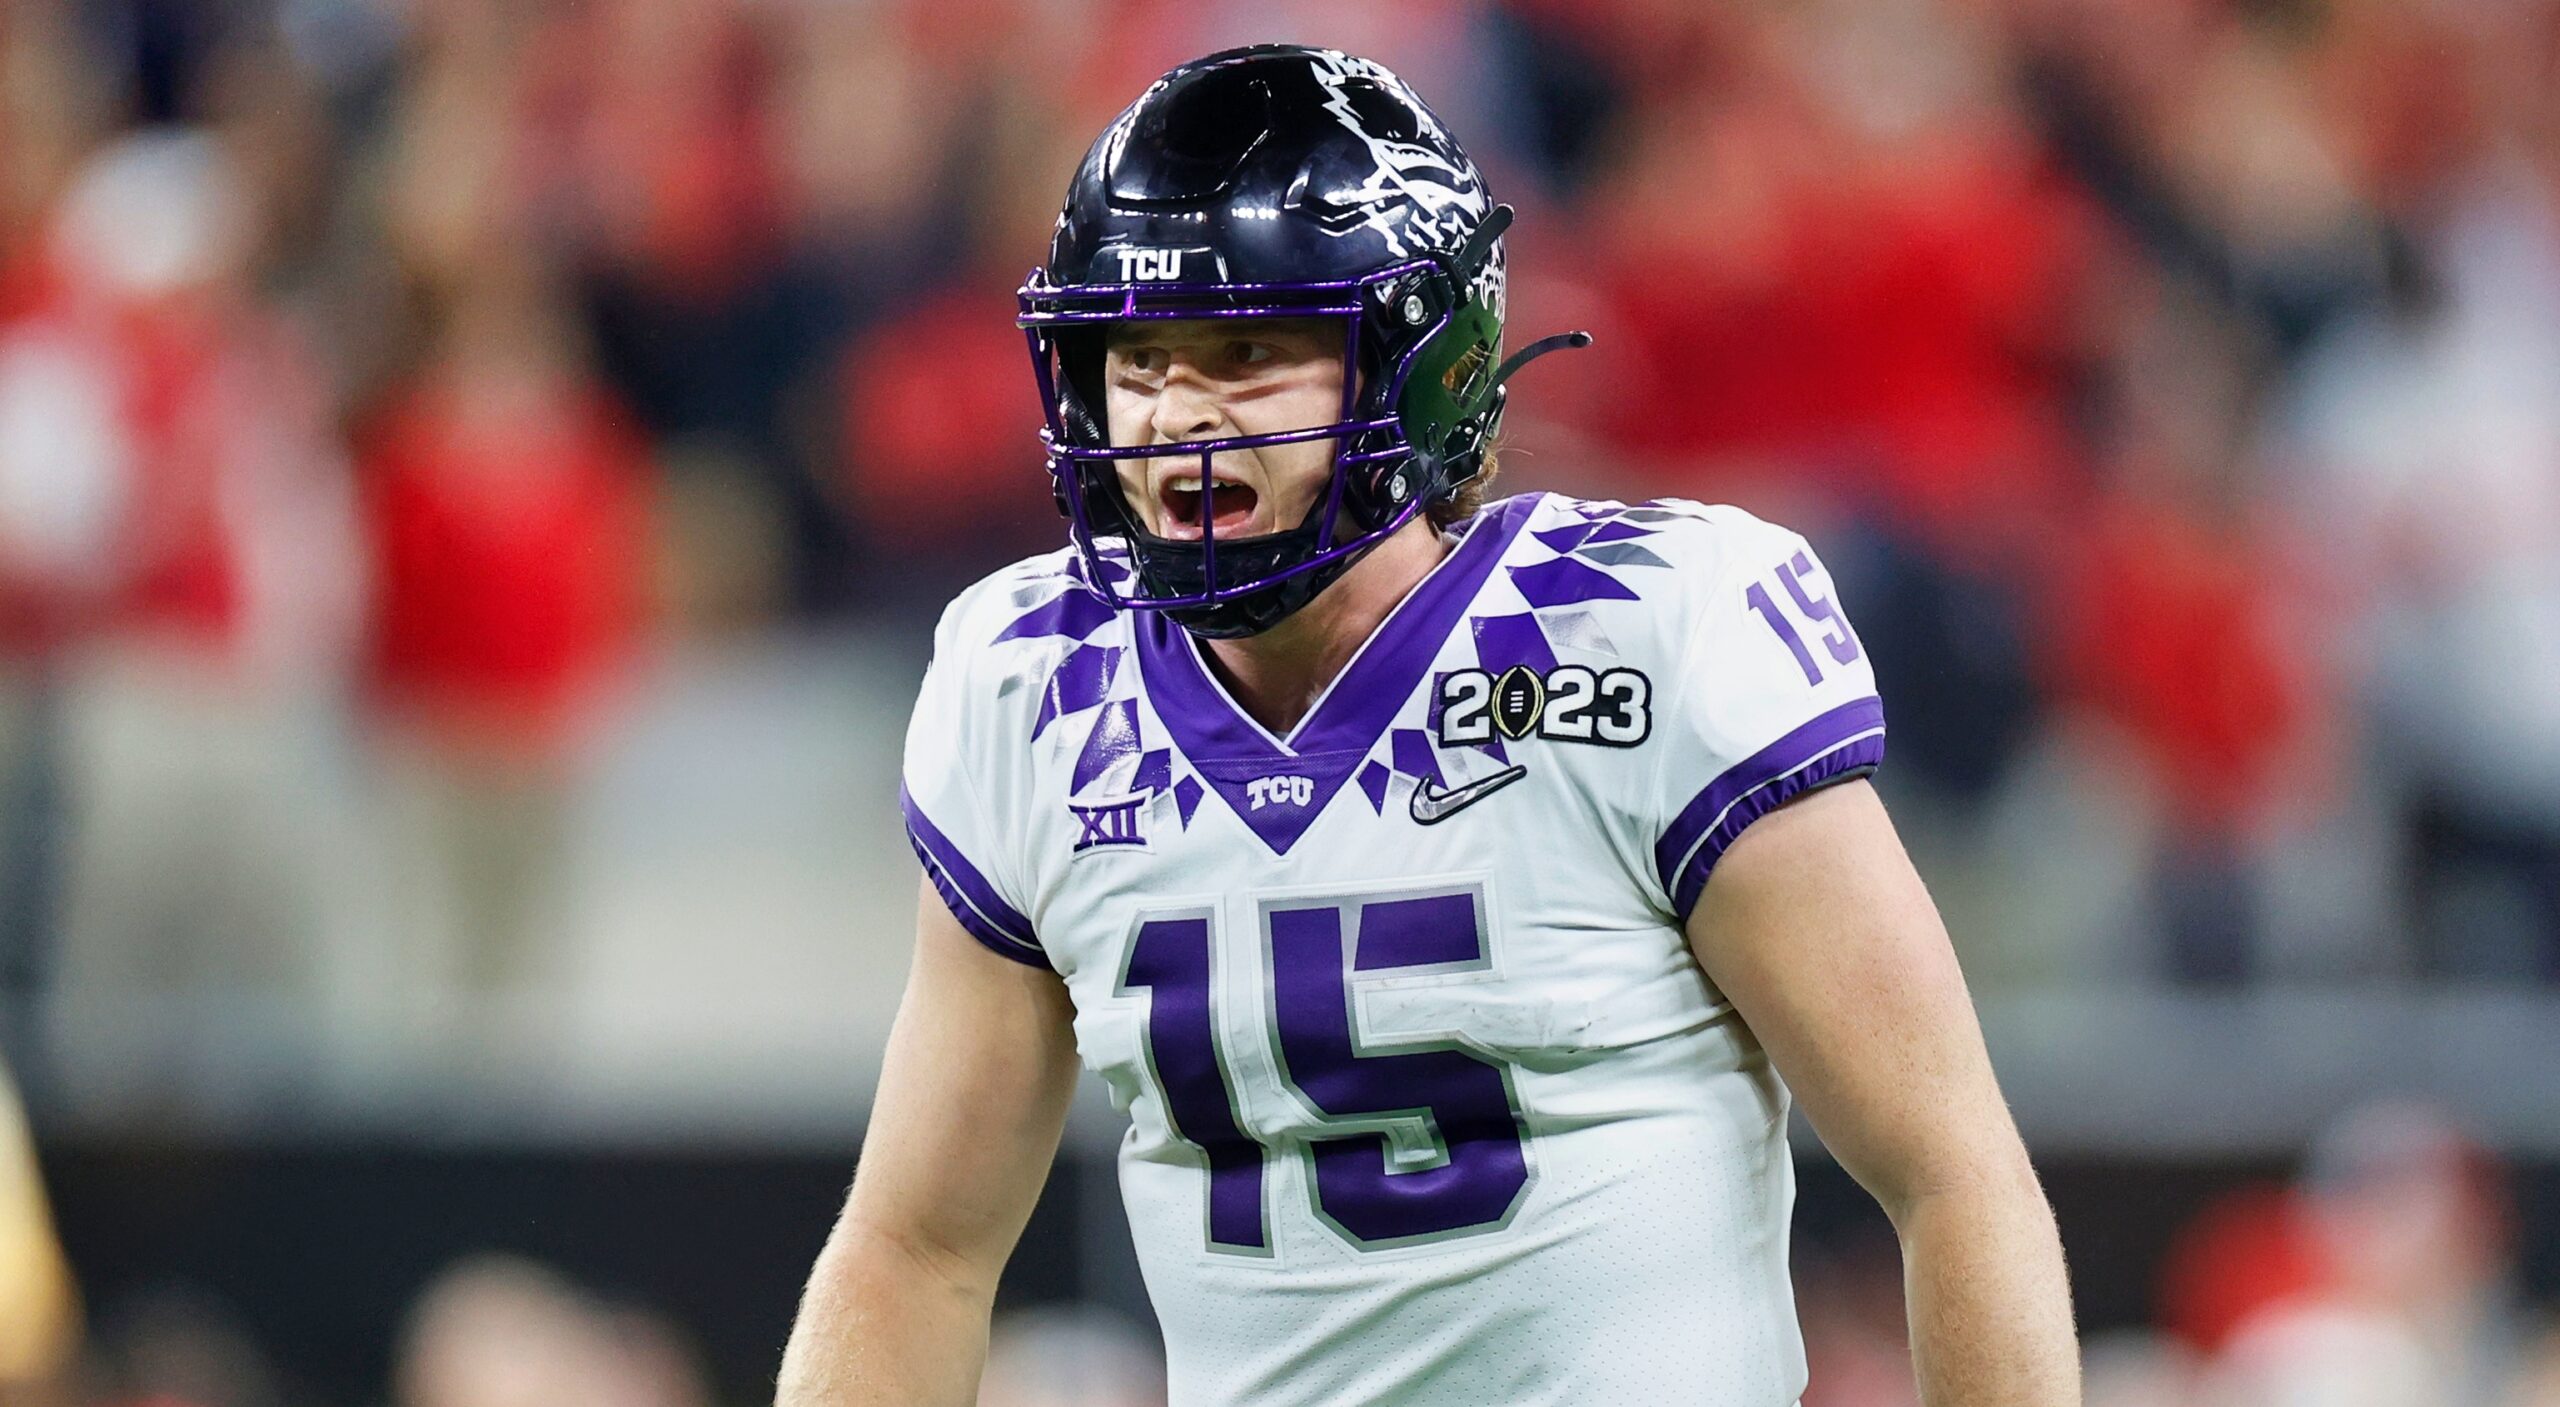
column 1451, row 893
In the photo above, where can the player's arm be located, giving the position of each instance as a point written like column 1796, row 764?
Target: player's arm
column 973, row 1095
column 1817, row 929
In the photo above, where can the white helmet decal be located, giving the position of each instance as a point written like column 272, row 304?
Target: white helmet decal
column 1414, row 198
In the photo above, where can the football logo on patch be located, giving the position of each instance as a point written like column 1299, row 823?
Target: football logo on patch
column 1518, row 697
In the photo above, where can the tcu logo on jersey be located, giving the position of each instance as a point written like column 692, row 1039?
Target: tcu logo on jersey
column 1149, row 265
column 1280, row 791
column 1111, row 822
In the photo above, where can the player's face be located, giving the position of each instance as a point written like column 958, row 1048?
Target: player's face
column 1212, row 378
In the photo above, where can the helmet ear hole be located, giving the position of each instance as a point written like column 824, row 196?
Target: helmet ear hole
column 1082, row 425
column 1407, row 305
column 1080, row 377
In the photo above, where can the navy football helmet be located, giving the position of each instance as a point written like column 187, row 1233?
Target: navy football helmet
column 1276, row 181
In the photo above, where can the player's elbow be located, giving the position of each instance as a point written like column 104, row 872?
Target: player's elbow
column 1990, row 1168
column 866, row 1250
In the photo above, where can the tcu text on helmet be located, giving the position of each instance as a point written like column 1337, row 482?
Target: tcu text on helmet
column 1149, row 265
column 1282, row 791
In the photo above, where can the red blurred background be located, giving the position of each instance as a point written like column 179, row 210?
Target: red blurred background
column 476, row 476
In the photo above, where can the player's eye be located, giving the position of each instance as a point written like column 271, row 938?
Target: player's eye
column 1140, row 361
column 1244, row 353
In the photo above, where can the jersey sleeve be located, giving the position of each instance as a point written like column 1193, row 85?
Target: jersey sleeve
column 948, row 774
column 1772, row 697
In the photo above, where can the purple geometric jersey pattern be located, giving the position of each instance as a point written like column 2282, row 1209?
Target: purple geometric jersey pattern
column 1115, row 568
column 1114, row 740
column 1373, row 784
column 1155, row 772
column 1082, row 681
column 1411, row 749
column 1074, row 613
column 1566, row 580
column 1630, row 526
column 1578, row 630
column 1566, row 538
column 1504, row 641
column 1621, row 554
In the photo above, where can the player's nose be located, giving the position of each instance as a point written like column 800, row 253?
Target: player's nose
column 1186, row 409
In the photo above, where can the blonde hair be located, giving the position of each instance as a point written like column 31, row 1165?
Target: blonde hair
column 1469, row 499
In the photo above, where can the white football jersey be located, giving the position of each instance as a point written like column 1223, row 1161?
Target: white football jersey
column 1429, row 1102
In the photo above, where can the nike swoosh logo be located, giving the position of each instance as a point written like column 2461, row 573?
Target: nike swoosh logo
column 1432, row 805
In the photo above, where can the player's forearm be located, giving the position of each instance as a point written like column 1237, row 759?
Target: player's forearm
column 1990, row 1304
column 884, row 1324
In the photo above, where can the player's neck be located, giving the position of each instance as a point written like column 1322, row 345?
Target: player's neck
column 1277, row 675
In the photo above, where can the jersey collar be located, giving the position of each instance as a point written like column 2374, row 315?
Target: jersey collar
column 1230, row 750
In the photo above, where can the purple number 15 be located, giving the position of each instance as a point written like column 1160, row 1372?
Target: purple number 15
column 1817, row 609
column 1462, row 1101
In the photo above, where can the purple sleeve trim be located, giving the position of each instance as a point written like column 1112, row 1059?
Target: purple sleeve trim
column 1844, row 741
column 965, row 891
column 1853, row 760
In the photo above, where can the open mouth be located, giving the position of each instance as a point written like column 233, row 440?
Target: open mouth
column 1190, row 509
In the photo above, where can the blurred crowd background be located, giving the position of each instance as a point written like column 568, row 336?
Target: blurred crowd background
column 476, row 479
